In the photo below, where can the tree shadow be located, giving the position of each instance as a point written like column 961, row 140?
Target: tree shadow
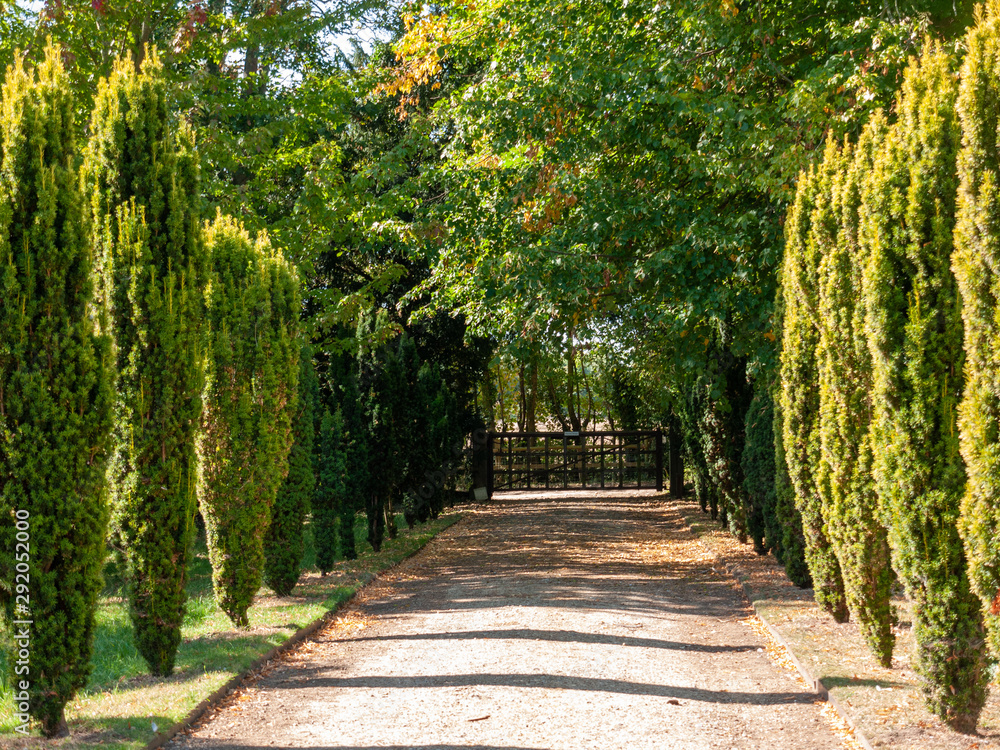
column 544, row 682
column 565, row 636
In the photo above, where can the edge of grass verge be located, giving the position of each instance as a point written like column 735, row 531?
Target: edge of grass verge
column 447, row 520
column 123, row 721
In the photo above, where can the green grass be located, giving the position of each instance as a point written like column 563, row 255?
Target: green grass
column 122, row 701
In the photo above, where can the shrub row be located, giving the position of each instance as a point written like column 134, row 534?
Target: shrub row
column 151, row 365
column 888, row 373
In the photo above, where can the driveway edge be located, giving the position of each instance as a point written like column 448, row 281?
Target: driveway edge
column 817, row 685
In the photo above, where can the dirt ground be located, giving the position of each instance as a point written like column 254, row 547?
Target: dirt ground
column 538, row 621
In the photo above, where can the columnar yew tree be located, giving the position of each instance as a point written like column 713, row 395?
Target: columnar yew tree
column 758, row 475
column 55, row 396
column 843, row 474
column 976, row 264
column 914, row 330
column 250, row 393
column 793, row 543
column 283, row 546
column 140, row 177
column 799, row 398
column 329, row 490
column 722, row 428
column 690, row 410
column 356, row 469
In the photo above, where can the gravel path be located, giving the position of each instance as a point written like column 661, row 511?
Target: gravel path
column 556, row 621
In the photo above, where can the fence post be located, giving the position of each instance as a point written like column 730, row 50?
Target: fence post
column 489, row 465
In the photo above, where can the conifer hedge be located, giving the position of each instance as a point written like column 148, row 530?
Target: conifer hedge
column 284, row 544
column 140, row 177
column 799, row 397
column 55, row 399
column 329, row 491
column 793, row 543
column 843, row 474
column 722, row 427
column 250, row 397
column 976, row 264
column 690, row 410
column 758, row 476
column 356, row 480
column 914, row 330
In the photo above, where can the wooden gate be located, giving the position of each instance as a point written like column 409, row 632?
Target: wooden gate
column 574, row 460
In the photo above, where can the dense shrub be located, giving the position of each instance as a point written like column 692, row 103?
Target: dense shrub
column 915, row 332
column 843, row 475
column 284, row 545
column 55, row 397
column 799, row 397
column 250, row 398
column 140, row 177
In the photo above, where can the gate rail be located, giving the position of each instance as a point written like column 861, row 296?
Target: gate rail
column 574, row 460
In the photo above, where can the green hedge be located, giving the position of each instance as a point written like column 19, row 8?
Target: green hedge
column 914, row 330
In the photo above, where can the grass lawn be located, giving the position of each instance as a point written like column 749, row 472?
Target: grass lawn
column 122, row 702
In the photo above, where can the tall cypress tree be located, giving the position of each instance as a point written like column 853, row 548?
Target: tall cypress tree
column 786, row 513
column 250, row 397
column 758, row 475
column 55, row 397
column 284, row 545
column 690, row 409
column 140, row 177
column 843, row 477
column 914, row 331
column 356, row 469
column 329, row 490
column 799, row 396
column 976, row 264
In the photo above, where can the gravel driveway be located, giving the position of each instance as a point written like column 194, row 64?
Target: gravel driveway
column 564, row 620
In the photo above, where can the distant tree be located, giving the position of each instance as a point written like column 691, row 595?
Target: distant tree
column 384, row 394
column 356, row 463
column 55, row 397
column 758, row 474
column 284, row 545
column 329, row 490
column 792, row 550
column 250, row 398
